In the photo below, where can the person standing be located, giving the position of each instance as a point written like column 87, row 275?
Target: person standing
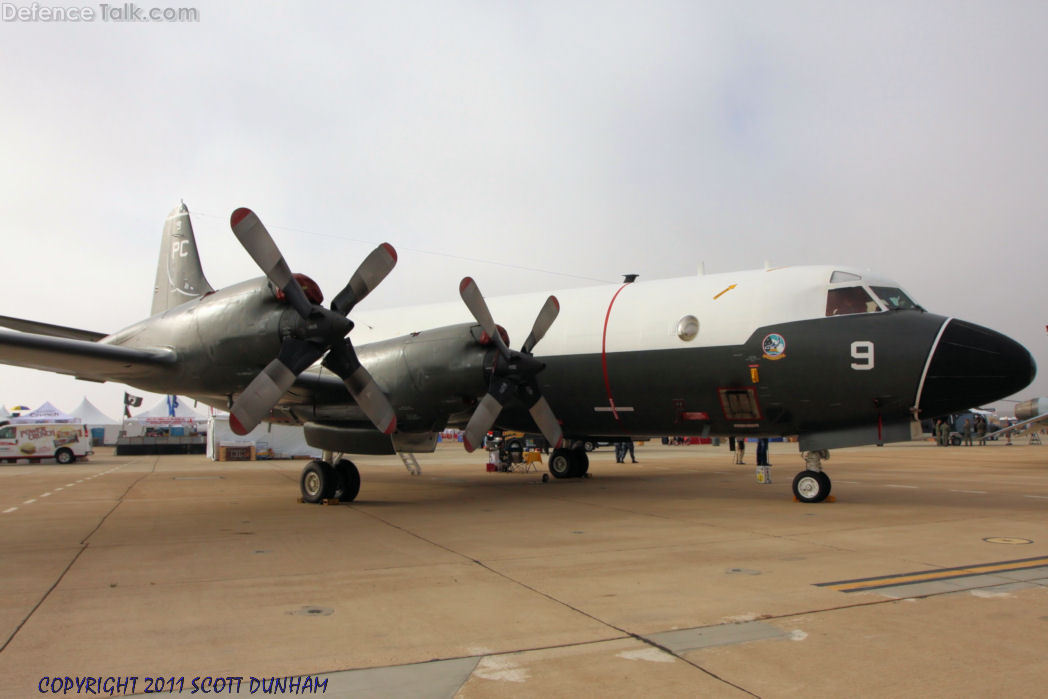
column 762, row 452
column 628, row 447
column 968, row 431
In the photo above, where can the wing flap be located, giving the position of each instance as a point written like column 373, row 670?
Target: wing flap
column 92, row 361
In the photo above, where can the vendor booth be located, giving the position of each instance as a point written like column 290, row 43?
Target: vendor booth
column 267, row 441
column 102, row 428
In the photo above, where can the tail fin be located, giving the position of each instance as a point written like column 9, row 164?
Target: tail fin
column 179, row 277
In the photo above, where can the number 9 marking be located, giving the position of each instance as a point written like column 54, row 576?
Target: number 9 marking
column 862, row 350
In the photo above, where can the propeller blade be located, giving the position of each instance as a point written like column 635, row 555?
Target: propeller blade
column 271, row 384
column 369, row 274
column 545, row 319
column 543, row 416
column 486, row 413
column 474, row 300
column 481, row 421
column 260, row 396
column 248, row 229
column 532, row 399
column 342, row 359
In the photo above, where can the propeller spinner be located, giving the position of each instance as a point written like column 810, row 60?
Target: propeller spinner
column 322, row 332
column 513, row 373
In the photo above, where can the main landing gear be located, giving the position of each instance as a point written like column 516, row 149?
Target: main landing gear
column 569, row 463
column 812, row 484
column 321, row 481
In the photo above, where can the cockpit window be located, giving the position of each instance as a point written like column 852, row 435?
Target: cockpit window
column 840, row 276
column 894, row 299
column 849, row 299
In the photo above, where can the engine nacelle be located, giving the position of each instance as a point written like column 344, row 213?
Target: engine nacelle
column 430, row 375
column 1029, row 409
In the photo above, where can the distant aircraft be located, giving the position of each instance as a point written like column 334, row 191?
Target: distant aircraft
column 1030, row 414
column 834, row 355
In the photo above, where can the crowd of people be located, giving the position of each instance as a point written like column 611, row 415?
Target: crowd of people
column 974, row 428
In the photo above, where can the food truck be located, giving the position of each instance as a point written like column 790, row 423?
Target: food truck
column 63, row 442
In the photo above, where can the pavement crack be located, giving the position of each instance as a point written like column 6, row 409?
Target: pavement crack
column 623, row 633
column 84, row 543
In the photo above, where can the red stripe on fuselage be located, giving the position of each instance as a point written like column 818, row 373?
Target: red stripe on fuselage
column 604, row 354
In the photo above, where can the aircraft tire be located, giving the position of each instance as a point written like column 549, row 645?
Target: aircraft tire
column 581, row 463
column 348, row 480
column 65, row 456
column 826, row 480
column 562, row 463
column 811, row 486
column 318, row 481
column 589, row 445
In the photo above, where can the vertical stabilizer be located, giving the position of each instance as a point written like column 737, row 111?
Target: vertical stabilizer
column 179, row 277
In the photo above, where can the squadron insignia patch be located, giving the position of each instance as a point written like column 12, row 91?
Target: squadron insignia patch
column 774, row 346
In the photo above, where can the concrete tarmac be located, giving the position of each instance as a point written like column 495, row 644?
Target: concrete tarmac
column 678, row 575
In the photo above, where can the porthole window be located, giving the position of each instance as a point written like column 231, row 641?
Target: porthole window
column 688, row 328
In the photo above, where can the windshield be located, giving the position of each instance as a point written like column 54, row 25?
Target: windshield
column 894, row 299
column 849, row 299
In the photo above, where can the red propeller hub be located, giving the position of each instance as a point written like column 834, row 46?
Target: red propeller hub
column 310, row 287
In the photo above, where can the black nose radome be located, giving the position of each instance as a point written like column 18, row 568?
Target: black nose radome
column 972, row 366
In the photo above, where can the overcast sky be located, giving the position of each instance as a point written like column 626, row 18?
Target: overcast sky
column 531, row 145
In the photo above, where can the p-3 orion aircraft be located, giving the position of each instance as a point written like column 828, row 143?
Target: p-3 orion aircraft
column 833, row 355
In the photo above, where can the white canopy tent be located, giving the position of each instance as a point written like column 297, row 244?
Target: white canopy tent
column 96, row 420
column 44, row 414
column 159, row 417
column 182, row 410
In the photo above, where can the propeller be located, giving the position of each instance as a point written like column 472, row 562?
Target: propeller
column 322, row 331
column 513, row 374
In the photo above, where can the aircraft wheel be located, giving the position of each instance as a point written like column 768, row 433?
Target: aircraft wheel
column 811, row 486
column 826, row 480
column 348, row 480
column 581, row 463
column 589, row 445
column 65, row 456
column 318, row 481
column 562, row 463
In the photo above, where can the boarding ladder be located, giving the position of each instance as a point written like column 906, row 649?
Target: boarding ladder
column 410, row 462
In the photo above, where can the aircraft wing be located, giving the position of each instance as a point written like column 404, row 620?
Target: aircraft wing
column 83, row 359
column 38, row 328
column 1043, row 417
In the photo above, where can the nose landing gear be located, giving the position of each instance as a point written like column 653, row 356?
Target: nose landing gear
column 812, row 484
